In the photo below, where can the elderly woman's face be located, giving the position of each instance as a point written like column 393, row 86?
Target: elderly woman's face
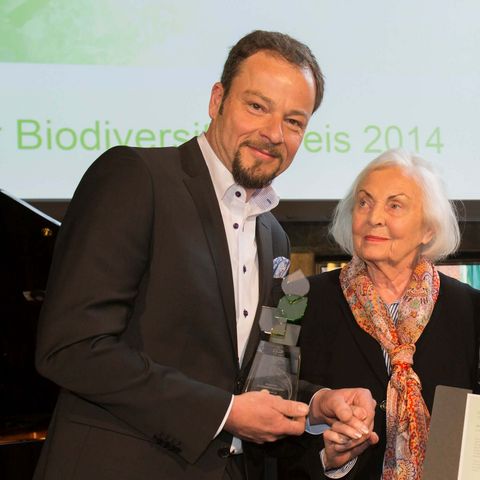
column 387, row 221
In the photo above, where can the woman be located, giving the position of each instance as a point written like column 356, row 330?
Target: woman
column 389, row 321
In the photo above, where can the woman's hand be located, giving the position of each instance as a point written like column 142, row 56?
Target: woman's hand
column 340, row 448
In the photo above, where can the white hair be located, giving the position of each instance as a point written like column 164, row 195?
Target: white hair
column 439, row 212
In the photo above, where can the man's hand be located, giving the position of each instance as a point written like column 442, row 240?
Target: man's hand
column 261, row 417
column 351, row 410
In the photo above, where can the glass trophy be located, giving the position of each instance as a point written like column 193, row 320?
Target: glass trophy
column 276, row 366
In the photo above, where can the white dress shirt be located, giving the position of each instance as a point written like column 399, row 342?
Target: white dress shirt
column 239, row 219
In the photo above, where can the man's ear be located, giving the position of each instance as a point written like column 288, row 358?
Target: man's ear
column 216, row 98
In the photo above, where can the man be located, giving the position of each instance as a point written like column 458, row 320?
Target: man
column 164, row 258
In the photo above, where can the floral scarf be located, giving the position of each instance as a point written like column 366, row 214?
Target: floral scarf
column 408, row 418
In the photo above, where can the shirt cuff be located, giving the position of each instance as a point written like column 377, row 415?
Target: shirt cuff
column 236, row 447
column 337, row 472
column 220, row 428
column 319, row 428
column 315, row 429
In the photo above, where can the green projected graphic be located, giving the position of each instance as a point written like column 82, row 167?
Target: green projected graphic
column 85, row 32
column 80, row 76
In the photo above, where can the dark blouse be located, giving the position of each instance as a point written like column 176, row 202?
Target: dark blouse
column 337, row 353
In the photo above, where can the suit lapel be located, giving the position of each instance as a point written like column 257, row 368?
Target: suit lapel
column 200, row 186
column 265, row 259
column 263, row 238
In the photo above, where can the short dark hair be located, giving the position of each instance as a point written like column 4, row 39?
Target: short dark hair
column 280, row 44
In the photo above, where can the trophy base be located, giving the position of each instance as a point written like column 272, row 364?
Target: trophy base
column 275, row 368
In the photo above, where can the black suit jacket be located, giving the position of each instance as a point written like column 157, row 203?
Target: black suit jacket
column 338, row 353
column 138, row 326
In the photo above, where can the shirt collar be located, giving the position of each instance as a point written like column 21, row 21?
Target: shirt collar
column 263, row 199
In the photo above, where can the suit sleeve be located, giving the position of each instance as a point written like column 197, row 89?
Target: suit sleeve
column 86, row 342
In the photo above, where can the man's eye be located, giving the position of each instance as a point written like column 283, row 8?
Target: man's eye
column 256, row 106
column 295, row 123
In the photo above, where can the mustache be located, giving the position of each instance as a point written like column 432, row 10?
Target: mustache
column 268, row 147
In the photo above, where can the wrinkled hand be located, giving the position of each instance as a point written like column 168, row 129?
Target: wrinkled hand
column 352, row 410
column 340, row 448
column 261, row 417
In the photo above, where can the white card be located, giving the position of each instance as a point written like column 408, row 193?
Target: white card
column 469, row 467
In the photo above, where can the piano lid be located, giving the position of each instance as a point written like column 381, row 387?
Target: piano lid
column 27, row 238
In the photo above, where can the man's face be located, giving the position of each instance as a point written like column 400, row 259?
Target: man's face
column 256, row 130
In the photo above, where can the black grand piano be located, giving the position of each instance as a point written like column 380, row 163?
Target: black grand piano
column 27, row 238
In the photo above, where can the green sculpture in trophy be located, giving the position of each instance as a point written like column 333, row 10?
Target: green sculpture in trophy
column 276, row 365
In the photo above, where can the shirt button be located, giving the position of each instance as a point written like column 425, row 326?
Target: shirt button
column 235, row 226
column 238, row 194
column 245, row 313
column 224, row 452
column 244, row 269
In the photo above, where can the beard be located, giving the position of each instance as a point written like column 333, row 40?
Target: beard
column 252, row 177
